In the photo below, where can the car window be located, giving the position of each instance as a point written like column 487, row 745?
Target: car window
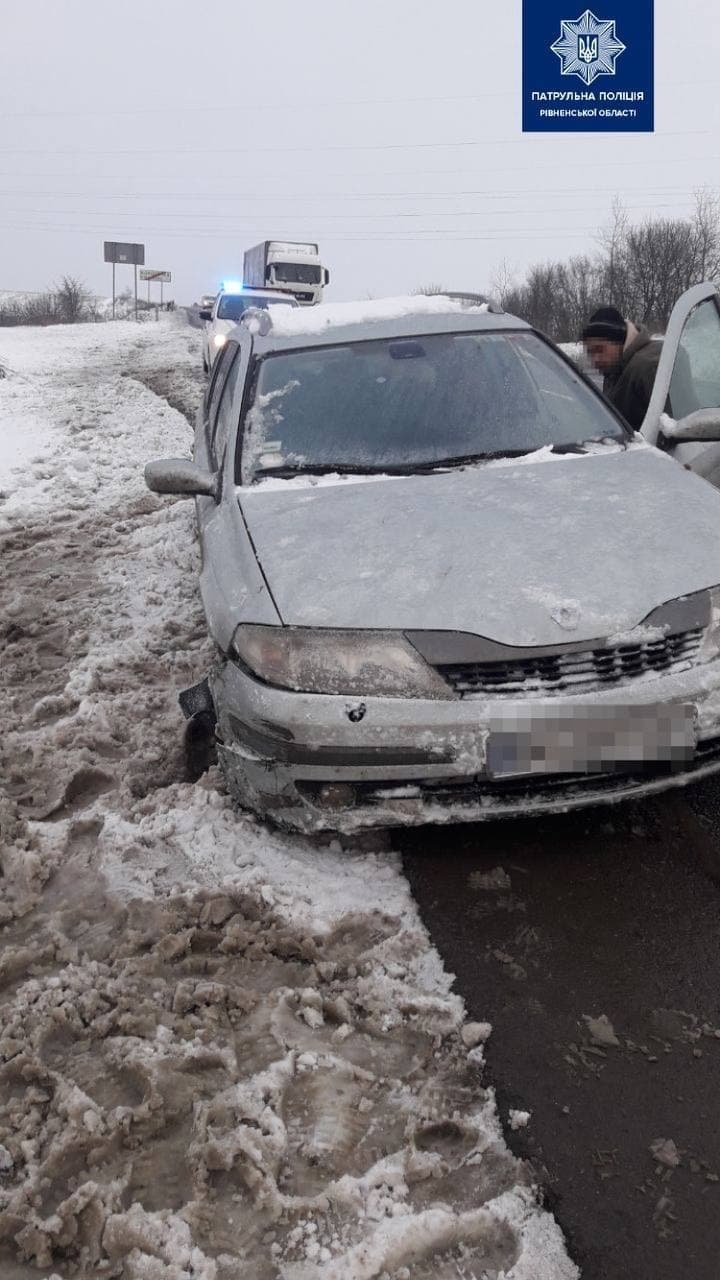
column 232, row 305
column 417, row 400
column 214, row 391
column 695, row 382
column 224, row 418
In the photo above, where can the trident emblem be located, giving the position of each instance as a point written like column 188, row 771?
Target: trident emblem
column 588, row 49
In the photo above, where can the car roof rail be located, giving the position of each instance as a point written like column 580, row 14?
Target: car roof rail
column 476, row 300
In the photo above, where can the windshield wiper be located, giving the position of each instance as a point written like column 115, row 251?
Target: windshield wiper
column 464, row 459
column 287, row 471
column 581, row 446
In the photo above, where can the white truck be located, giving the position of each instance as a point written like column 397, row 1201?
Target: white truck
column 290, row 265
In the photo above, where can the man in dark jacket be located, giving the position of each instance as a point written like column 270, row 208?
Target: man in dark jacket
column 627, row 357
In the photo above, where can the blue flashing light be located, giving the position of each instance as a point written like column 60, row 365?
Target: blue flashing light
column 232, row 286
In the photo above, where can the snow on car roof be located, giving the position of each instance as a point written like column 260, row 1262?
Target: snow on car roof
column 378, row 318
column 326, row 315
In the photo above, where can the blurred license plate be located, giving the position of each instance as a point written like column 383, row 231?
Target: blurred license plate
column 590, row 739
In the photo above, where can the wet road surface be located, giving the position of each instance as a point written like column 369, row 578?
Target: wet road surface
column 612, row 917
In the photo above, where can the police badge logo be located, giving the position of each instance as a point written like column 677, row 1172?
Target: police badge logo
column 588, row 47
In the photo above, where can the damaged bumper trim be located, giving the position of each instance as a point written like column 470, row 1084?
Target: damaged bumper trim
column 276, row 748
column 298, row 804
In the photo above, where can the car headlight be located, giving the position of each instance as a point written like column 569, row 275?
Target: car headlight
column 711, row 639
column 357, row 663
column 219, row 340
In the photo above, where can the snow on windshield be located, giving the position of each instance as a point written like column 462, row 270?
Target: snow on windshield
column 419, row 400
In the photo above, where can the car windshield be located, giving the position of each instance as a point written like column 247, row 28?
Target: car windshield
column 297, row 273
column 232, row 305
column 409, row 403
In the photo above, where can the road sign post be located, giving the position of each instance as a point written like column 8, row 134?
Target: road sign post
column 132, row 254
column 159, row 277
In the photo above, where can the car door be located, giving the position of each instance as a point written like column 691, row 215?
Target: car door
column 231, row 582
column 688, row 378
column 204, row 454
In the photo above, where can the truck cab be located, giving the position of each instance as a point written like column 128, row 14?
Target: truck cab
column 292, row 266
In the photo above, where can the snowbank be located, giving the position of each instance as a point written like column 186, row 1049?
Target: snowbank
column 223, row 1052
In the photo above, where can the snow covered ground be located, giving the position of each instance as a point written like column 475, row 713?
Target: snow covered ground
column 224, row 1052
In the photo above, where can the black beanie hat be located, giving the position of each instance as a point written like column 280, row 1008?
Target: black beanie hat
column 606, row 323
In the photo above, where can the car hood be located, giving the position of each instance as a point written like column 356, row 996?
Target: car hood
column 530, row 553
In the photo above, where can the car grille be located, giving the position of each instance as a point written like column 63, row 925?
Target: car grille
column 577, row 671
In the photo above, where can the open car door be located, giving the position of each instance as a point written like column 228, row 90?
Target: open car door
column 683, row 416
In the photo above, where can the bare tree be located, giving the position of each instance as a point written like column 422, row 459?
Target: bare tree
column 72, row 300
column 502, row 284
column 706, row 228
column 612, row 261
column 641, row 269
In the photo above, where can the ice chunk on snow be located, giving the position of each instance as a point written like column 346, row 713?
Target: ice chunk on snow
column 475, row 1033
column 602, row 1031
column 665, row 1152
column 519, row 1119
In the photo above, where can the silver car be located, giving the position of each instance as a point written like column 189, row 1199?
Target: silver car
column 444, row 580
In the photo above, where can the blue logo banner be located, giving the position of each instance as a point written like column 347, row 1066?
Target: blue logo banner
column 588, row 70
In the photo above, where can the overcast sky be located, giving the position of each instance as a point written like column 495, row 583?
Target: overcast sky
column 387, row 130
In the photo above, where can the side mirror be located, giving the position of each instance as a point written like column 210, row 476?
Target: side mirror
column 327, row 276
column 703, row 424
column 180, row 477
column 205, row 313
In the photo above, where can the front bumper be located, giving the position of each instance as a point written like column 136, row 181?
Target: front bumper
column 315, row 762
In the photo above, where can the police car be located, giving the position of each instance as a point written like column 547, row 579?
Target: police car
column 228, row 307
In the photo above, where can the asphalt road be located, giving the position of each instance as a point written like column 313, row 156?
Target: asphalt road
column 193, row 315
column 614, row 915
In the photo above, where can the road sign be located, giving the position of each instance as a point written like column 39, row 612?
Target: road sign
column 116, row 251
column 163, row 277
column 132, row 254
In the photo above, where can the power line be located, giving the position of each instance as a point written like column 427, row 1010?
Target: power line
column 331, row 195
column 344, row 146
column 290, row 105
column 487, row 170
column 234, row 218
column 422, row 235
column 263, row 107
